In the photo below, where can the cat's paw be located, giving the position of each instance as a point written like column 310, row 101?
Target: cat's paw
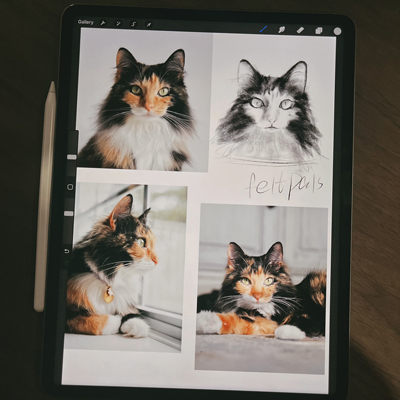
column 135, row 327
column 112, row 325
column 208, row 322
column 289, row 332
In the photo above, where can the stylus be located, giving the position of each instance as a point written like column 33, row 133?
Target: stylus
column 44, row 198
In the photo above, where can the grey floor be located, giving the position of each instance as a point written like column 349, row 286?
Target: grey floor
column 259, row 354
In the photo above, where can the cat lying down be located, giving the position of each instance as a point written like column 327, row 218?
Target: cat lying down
column 258, row 297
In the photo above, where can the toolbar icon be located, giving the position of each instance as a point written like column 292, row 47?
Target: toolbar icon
column 149, row 24
column 103, row 22
column 318, row 31
column 337, row 31
column 281, row 29
column 300, row 30
column 118, row 23
column 133, row 24
column 264, row 28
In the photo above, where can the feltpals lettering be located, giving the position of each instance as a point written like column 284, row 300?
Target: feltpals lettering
column 295, row 184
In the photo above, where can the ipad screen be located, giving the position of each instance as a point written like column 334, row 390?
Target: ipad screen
column 198, row 210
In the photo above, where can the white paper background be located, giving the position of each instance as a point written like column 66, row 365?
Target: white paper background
column 224, row 183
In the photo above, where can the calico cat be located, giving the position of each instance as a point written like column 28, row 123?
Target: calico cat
column 271, row 118
column 145, row 121
column 258, row 297
column 105, row 275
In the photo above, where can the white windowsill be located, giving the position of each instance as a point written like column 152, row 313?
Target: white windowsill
column 115, row 343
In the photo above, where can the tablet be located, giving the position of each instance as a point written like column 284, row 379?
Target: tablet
column 201, row 204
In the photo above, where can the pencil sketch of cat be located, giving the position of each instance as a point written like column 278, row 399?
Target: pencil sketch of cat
column 270, row 121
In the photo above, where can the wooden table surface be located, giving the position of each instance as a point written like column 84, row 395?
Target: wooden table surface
column 29, row 32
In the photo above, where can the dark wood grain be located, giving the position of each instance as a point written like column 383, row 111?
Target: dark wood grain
column 29, row 33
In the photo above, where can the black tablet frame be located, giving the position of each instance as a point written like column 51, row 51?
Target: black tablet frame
column 341, row 210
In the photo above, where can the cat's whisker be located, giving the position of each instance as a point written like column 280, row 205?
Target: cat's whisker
column 112, row 117
column 182, row 116
column 173, row 120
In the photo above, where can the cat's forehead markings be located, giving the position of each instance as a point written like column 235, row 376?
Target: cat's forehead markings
column 247, row 270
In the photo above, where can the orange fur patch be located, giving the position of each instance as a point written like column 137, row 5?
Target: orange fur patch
column 149, row 98
column 257, row 289
column 91, row 325
column 77, row 299
column 111, row 156
column 233, row 324
column 318, row 283
column 144, row 252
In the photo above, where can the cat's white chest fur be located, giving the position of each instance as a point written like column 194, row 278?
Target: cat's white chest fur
column 126, row 288
column 149, row 140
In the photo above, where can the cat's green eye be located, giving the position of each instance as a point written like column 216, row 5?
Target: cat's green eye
column 136, row 90
column 163, row 92
column 245, row 281
column 286, row 104
column 269, row 281
column 141, row 242
column 256, row 102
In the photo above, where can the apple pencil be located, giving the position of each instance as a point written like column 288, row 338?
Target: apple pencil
column 44, row 198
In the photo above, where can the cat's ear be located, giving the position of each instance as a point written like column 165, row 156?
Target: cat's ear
column 247, row 74
column 125, row 60
column 275, row 253
column 122, row 209
column 235, row 255
column 297, row 76
column 176, row 60
column 143, row 217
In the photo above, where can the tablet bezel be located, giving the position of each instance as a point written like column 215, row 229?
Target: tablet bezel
column 341, row 206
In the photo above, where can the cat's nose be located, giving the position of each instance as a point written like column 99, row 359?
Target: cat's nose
column 149, row 106
column 257, row 296
column 272, row 121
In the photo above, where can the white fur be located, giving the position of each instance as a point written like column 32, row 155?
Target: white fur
column 126, row 287
column 147, row 139
column 250, row 303
column 266, row 309
column 274, row 145
column 289, row 332
column 112, row 326
column 135, row 327
column 208, row 322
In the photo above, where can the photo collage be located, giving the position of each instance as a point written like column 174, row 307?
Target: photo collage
column 203, row 211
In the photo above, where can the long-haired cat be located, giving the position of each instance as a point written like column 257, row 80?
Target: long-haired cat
column 270, row 120
column 258, row 297
column 105, row 276
column 145, row 121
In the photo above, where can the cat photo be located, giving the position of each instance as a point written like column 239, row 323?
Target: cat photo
column 262, row 289
column 270, row 121
column 105, row 277
column 145, row 121
column 125, row 272
column 258, row 297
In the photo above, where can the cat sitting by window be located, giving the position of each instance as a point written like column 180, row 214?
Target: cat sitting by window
column 258, row 297
column 145, row 121
column 105, row 275
column 270, row 120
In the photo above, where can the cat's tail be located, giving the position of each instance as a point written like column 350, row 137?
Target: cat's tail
column 313, row 288
column 310, row 317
